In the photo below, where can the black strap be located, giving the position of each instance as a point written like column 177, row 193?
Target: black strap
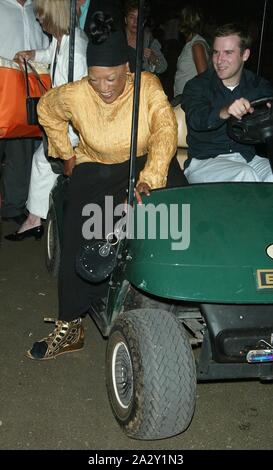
column 26, row 65
column 26, row 74
column 54, row 65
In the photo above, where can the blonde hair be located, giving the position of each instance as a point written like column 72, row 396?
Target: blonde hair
column 190, row 20
column 54, row 15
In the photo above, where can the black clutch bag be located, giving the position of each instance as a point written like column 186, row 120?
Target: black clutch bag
column 96, row 261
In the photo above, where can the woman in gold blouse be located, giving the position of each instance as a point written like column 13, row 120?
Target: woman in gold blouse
column 100, row 108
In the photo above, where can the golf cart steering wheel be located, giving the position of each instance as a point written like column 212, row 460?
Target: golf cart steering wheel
column 253, row 128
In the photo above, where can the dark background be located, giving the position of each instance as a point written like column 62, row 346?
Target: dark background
column 233, row 10
column 245, row 12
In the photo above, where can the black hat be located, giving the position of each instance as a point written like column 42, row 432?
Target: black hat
column 107, row 47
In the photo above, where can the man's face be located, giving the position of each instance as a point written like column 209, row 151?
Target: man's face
column 228, row 60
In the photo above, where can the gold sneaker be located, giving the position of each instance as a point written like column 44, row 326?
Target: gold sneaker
column 66, row 337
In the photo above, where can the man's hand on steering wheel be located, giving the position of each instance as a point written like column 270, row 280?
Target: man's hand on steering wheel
column 140, row 189
column 238, row 109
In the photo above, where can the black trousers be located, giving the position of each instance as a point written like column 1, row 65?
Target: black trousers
column 90, row 183
column 16, row 160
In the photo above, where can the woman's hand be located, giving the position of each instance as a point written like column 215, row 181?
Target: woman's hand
column 69, row 166
column 142, row 188
column 150, row 55
column 27, row 55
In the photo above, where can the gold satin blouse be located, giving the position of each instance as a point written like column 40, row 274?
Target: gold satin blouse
column 105, row 129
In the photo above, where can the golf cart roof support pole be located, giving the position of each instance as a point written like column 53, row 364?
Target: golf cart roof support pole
column 134, row 128
column 261, row 38
column 73, row 17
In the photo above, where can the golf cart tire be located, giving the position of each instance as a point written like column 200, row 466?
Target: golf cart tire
column 150, row 374
column 53, row 250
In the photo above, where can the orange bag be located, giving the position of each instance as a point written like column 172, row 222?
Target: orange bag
column 13, row 112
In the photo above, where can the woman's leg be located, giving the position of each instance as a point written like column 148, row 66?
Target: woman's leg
column 90, row 183
column 41, row 182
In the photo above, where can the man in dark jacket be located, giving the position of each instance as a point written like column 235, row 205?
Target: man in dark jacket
column 209, row 100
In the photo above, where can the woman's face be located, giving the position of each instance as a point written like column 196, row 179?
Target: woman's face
column 108, row 82
column 131, row 21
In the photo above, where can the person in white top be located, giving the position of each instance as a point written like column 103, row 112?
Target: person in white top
column 54, row 15
column 194, row 57
column 19, row 30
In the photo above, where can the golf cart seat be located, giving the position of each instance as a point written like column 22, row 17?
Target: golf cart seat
column 182, row 154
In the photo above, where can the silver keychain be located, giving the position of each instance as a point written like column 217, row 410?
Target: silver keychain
column 104, row 250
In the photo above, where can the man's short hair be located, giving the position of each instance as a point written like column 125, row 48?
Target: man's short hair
column 234, row 29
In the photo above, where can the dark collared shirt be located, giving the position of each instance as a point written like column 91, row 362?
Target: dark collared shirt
column 203, row 98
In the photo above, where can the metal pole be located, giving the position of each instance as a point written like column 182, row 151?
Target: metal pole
column 134, row 129
column 261, row 37
column 73, row 18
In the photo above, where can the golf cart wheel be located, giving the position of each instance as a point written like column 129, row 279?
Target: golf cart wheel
column 150, row 374
column 53, row 250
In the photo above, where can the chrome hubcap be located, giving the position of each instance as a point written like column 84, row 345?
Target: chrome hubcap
column 122, row 375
